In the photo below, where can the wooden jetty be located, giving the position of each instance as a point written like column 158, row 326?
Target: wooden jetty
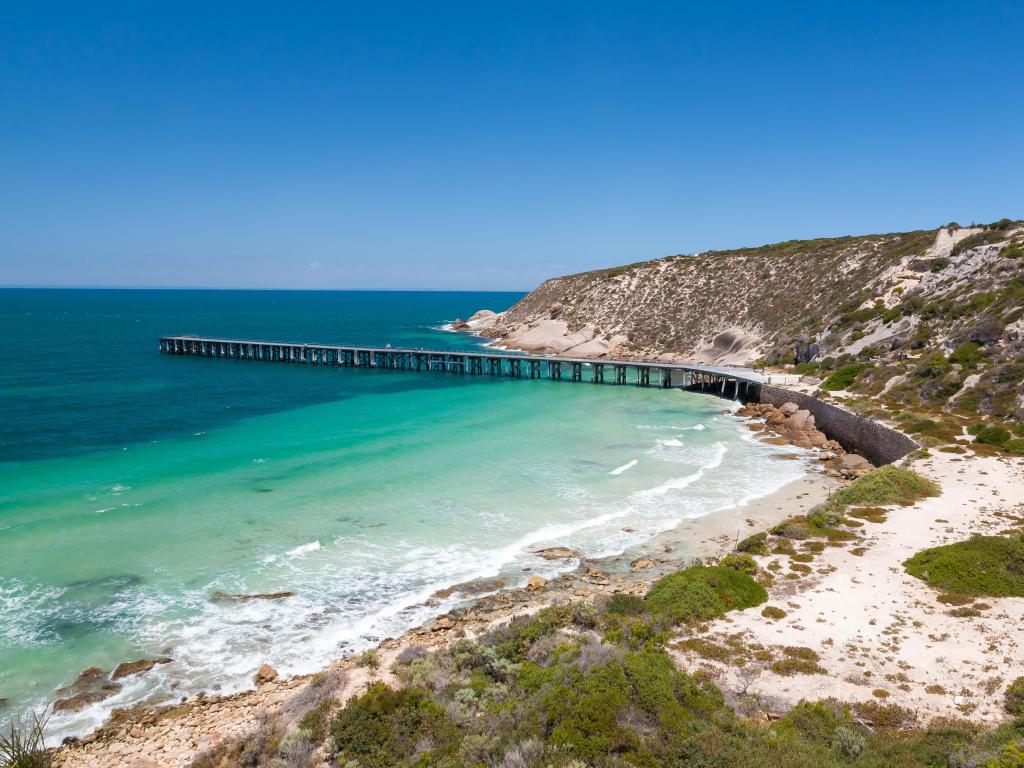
column 733, row 383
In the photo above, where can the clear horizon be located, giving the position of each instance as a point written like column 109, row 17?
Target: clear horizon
column 486, row 148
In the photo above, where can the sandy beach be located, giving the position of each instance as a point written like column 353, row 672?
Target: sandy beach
column 881, row 634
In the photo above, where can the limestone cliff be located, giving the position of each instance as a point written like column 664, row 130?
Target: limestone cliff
column 844, row 298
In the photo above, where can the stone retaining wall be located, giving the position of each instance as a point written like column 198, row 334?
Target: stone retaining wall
column 858, row 434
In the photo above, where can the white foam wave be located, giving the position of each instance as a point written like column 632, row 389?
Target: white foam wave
column 671, row 442
column 625, row 467
column 678, row 483
column 303, row 549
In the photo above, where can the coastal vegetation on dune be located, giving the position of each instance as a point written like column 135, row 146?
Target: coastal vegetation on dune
column 982, row 566
column 576, row 685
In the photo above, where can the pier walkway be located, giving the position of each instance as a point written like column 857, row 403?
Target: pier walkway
column 721, row 380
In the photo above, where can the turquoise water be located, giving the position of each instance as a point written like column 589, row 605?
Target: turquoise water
column 133, row 485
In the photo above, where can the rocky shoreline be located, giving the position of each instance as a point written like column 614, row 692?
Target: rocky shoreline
column 170, row 736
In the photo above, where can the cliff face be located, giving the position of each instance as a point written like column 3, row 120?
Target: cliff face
column 847, row 299
column 720, row 303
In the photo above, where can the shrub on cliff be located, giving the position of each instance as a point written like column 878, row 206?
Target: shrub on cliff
column 702, row 592
column 983, row 565
column 843, row 377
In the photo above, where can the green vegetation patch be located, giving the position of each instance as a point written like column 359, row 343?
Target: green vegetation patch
column 884, row 486
column 754, row 545
column 983, row 565
column 702, row 592
column 1013, row 700
column 843, row 377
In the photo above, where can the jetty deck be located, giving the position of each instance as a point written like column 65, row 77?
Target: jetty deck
column 722, row 380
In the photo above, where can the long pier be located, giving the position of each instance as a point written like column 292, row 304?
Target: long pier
column 734, row 383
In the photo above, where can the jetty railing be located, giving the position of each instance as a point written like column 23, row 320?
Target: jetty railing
column 726, row 381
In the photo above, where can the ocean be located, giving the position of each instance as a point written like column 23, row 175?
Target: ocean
column 135, row 486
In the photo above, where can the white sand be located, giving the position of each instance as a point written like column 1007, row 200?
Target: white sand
column 869, row 619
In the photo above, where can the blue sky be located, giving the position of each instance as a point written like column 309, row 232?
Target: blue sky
column 486, row 145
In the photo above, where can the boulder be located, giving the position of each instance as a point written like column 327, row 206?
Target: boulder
column 87, row 679
column 818, row 439
column 136, row 667
column 81, row 700
column 852, row 461
column 799, row 419
column 536, row 583
column 789, row 408
column 556, row 553
column 442, row 623
column 265, row 674
column 594, row 576
column 641, row 563
column 555, row 310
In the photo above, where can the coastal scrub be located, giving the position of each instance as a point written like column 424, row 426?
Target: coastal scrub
column 983, row 565
column 702, row 592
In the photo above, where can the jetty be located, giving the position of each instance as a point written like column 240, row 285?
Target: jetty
column 733, row 383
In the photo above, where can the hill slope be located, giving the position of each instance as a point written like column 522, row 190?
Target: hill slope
column 875, row 300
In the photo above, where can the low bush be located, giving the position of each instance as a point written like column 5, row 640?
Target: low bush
column 1014, row 446
column 702, row 592
column 384, row 726
column 967, row 354
column 739, row 561
column 797, row 660
column 1013, row 700
column 886, row 485
column 983, row 565
column 755, row 545
column 992, row 435
column 625, row 605
column 843, row 377
column 848, row 742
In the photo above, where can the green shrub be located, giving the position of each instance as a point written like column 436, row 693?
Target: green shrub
column 384, row 726
column 1015, row 446
column 967, row 354
column 826, row 515
column 940, row 264
column 625, row 605
column 848, row 742
column 755, row 545
column 843, row 377
column 773, row 613
column 983, row 565
column 1013, row 700
column 741, row 562
column 885, row 485
column 992, row 435
column 702, row 592
column 797, row 660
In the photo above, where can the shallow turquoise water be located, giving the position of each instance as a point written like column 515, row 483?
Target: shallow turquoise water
column 134, row 486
